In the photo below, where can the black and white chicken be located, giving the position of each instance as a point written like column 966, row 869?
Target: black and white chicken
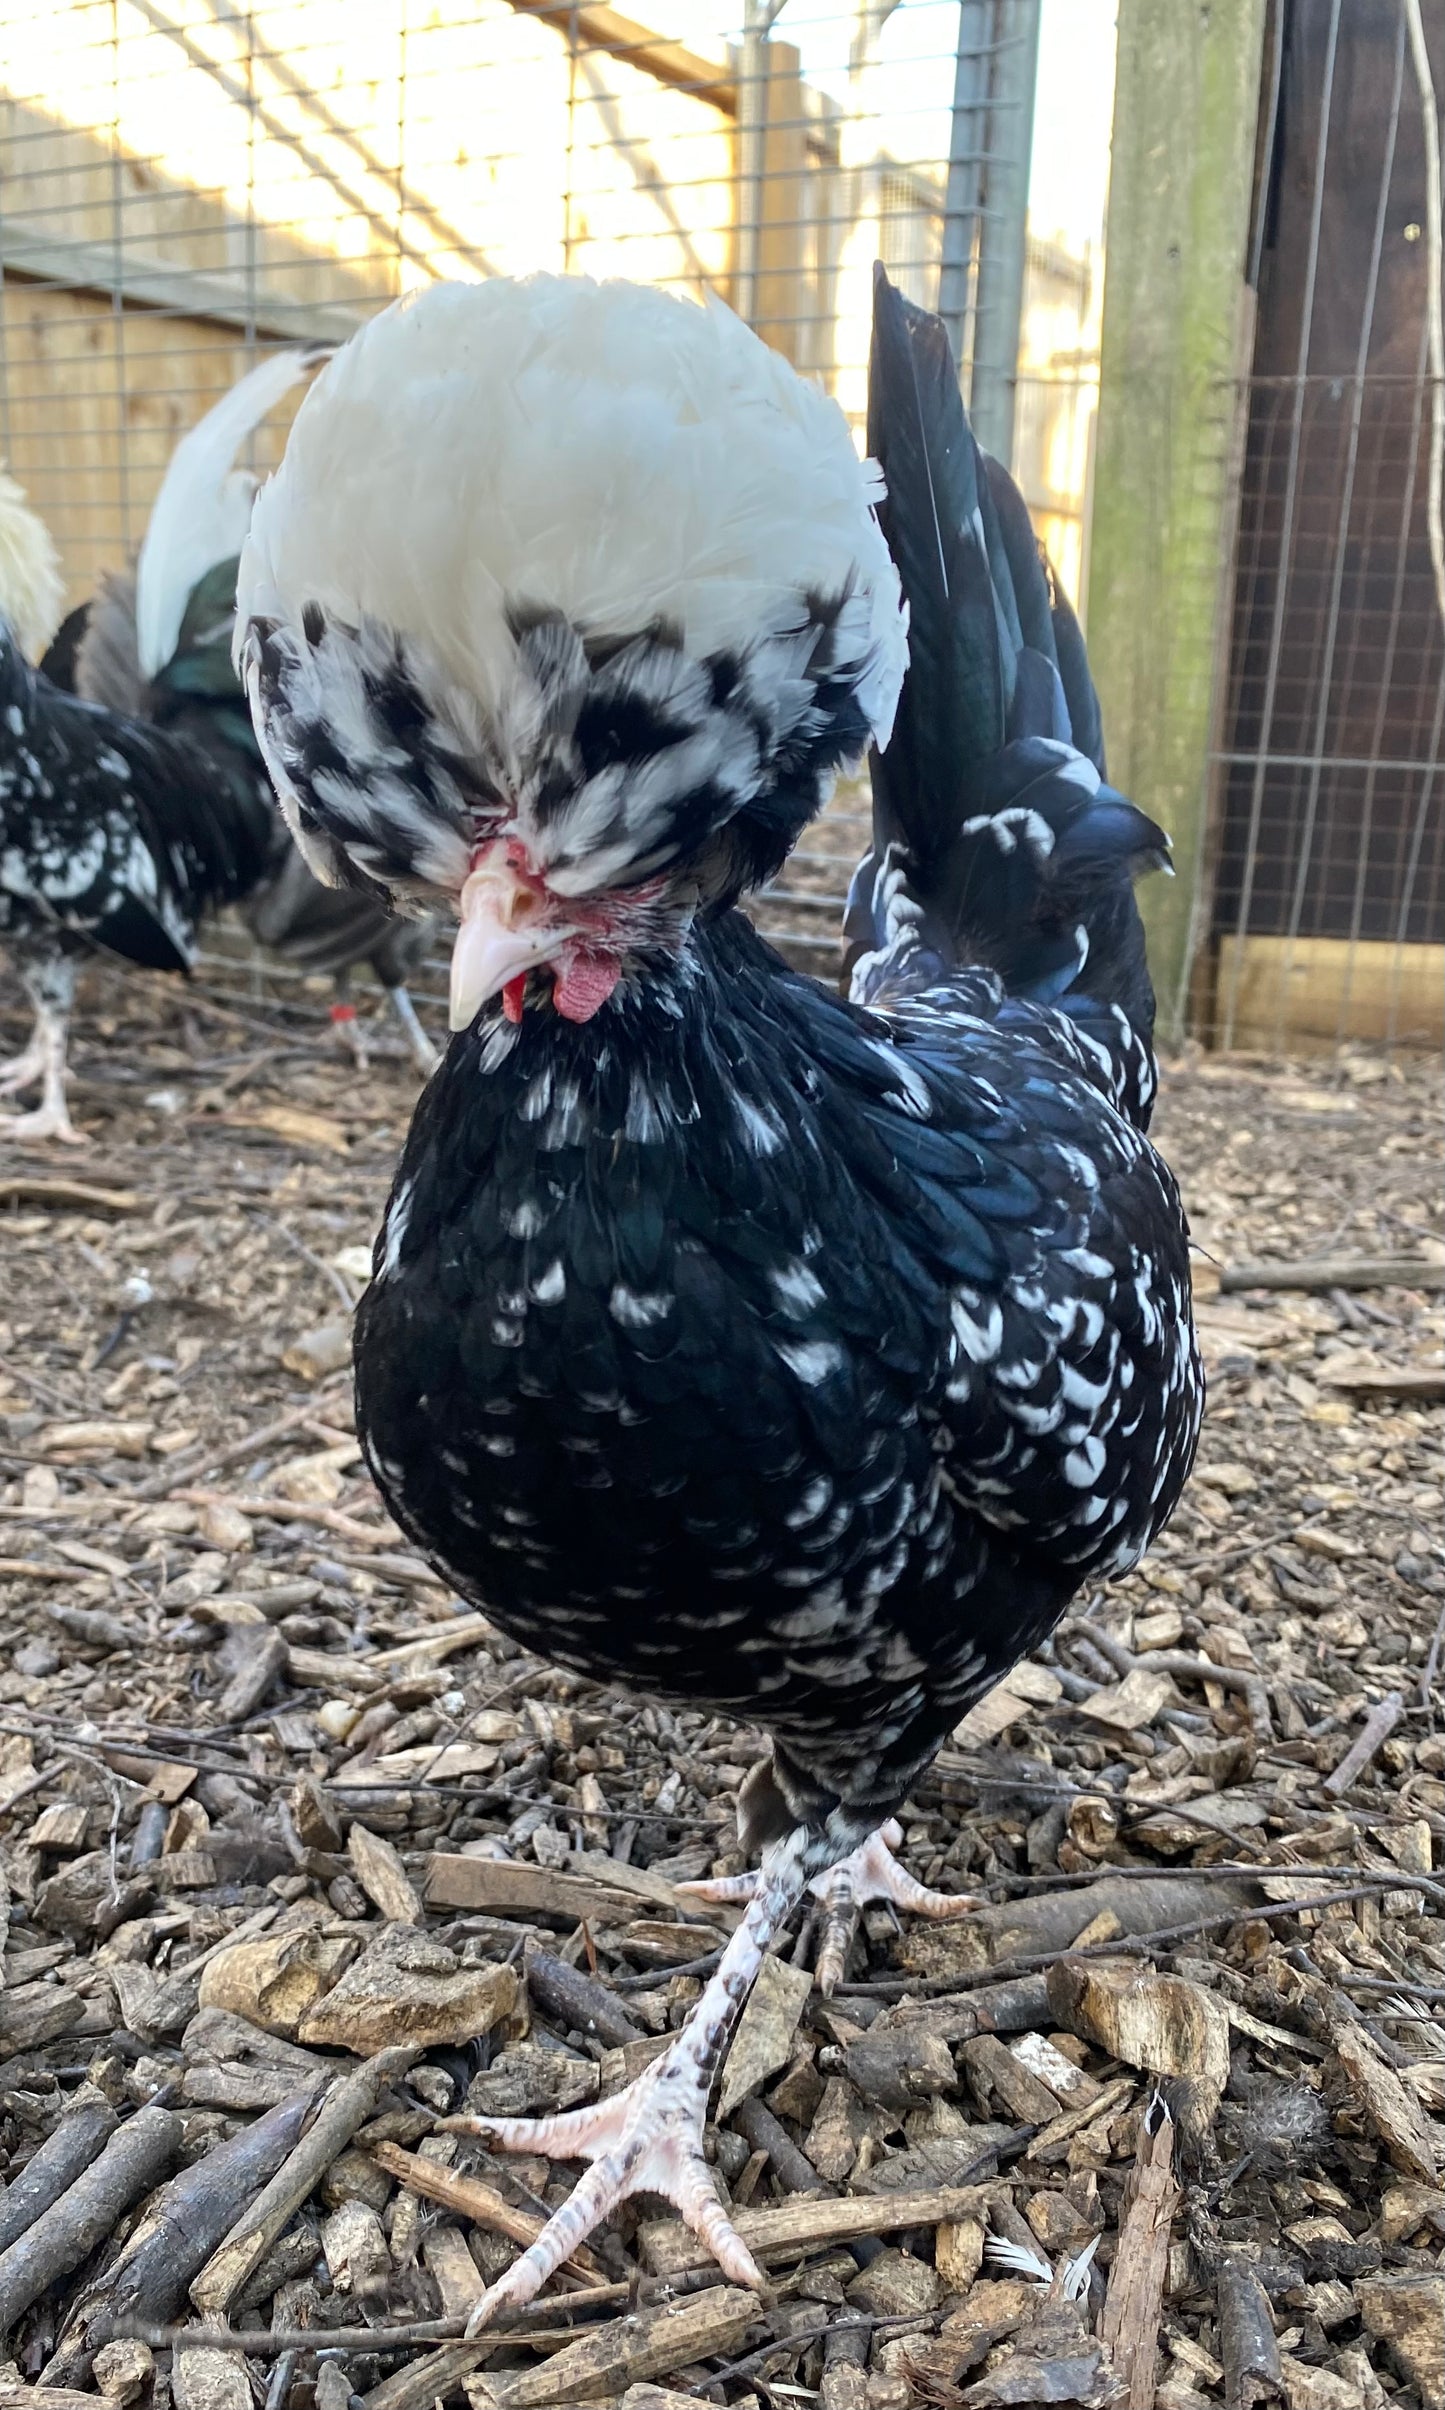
column 119, row 832
column 728, row 1339
column 121, row 650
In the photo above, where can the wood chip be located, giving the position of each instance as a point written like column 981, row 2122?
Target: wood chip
column 764, row 2039
column 1407, row 2315
column 382, row 1876
column 1397, row 2117
column 458, row 2279
column 1369, row 1376
column 1129, row 1705
column 508, row 1887
column 1161, row 2022
column 203, row 2379
column 413, row 1991
column 1024, row 1686
column 275, row 1982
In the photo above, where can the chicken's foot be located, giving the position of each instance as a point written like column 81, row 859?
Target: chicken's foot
column 50, row 987
column 649, row 2138
column 871, row 1877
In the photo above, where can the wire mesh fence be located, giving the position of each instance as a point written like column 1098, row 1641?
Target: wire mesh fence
column 186, row 184
column 1328, row 907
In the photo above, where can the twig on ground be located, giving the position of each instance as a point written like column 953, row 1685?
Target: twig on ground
column 1373, row 1733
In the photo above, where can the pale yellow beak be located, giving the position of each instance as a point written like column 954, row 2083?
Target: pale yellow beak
column 504, row 934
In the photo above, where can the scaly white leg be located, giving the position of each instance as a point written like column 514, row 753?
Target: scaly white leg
column 23, row 1070
column 347, row 1024
column 423, row 1053
column 50, row 987
column 872, row 1875
column 649, row 2137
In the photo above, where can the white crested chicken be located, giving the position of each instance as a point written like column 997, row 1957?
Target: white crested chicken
column 779, row 1352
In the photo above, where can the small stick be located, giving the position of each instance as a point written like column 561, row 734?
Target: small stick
column 1247, row 2343
column 28, row 1191
column 281, row 1510
column 471, row 2198
column 1130, row 2322
column 132, row 2161
column 348, row 2104
column 807, row 2224
column 1376, row 1729
column 182, row 2228
column 340, row 1288
column 1133, row 1945
column 1343, row 1272
column 1432, row 1661
column 79, row 2138
column 587, row 2006
column 1188, row 1669
column 761, row 2130
column 162, row 1485
column 421, row 2334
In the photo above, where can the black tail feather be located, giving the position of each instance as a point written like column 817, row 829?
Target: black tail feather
column 996, row 842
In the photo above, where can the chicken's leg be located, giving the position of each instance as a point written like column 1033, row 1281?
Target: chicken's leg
column 346, row 1023
column 870, row 1877
column 24, row 1069
column 51, row 989
column 423, row 1053
column 648, row 2138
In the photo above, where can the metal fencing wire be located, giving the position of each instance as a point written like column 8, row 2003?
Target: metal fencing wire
column 186, row 184
column 1328, row 905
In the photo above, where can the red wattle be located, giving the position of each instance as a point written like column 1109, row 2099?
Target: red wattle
column 583, row 982
column 512, row 995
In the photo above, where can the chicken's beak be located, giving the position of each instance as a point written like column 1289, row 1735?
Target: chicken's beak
column 505, row 933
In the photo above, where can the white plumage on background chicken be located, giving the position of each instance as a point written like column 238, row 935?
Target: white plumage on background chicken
column 32, row 589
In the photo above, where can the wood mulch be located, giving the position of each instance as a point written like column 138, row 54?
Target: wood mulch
column 300, row 1856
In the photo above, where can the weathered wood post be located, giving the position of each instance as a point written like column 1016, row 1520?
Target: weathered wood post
column 1175, row 338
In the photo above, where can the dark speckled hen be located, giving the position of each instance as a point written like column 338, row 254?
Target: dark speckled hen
column 730, row 1339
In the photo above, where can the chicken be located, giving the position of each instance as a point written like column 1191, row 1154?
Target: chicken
column 114, row 650
column 123, row 824
column 760, row 1349
column 116, row 837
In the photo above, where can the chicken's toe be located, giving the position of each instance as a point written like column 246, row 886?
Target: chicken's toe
column 872, row 1877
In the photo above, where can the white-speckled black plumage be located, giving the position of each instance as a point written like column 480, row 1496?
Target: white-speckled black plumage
column 741, row 1343
column 115, row 834
column 765, row 1352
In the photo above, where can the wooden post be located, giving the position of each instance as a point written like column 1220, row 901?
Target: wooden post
column 781, row 298
column 1176, row 319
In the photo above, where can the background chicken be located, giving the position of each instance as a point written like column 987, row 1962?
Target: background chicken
column 122, row 650
column 116, row 834
column 726, row 1338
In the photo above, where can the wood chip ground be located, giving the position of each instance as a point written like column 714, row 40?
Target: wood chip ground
column 1162, row 2124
